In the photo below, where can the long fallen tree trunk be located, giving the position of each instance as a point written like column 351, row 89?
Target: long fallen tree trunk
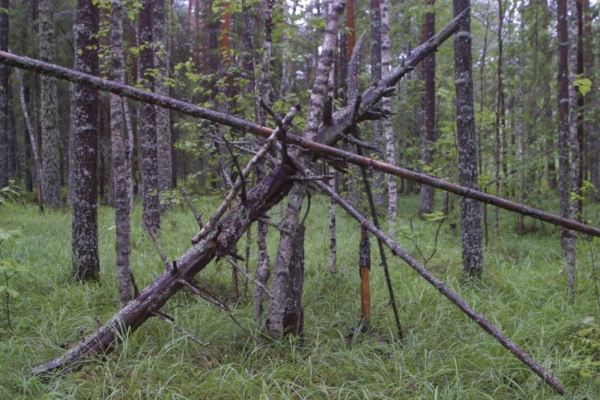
column 217, row 243
column 314, row 147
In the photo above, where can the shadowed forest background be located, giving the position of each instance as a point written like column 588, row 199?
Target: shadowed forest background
column 94, row 187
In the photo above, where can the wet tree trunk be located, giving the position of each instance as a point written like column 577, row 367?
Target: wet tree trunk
column 85, row 262
column 470, row 211
column 427, row 192
column 120, row 164
column 149, row 168
column 49, row 110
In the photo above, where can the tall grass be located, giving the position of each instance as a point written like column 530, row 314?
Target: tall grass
column 444, row 354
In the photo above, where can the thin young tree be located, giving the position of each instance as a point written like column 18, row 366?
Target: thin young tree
column 120, row 160
column 427, row 192
column 379, row 195
column 85, row 261
column 500, row 123
column 470, row 210
column 388, row 126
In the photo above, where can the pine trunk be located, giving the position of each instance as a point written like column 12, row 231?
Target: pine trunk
column 379, row 194
column 4, row 74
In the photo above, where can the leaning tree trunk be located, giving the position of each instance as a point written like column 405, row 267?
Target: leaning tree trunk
column 283, row 269
column 49, row 110
column 85, row 262
column 218, row 242
column 120, row 165
column 470, row 211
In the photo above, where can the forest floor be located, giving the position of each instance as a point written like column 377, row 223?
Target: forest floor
column 444, row 355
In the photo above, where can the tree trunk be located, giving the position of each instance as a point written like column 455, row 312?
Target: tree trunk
column 120, row 166
column 48, row 110
column 499, row 125
column 149, row 168
column 283, row 270
column 85, row 262
column 163, row 120
column 218, row 243
column 470, row 212
column 379, row 194
column 4, row 73
column 575, row 191
column 427, row 192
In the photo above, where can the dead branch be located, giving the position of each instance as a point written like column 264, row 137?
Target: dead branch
column 214, row 301
column 440, row 286
column 197, row 215
column 238, row 183
column 247, row 275
column 217, row 242
column 321, row 149
column 170, row 320
column 157, row 245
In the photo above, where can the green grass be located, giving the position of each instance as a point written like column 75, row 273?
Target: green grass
column 444, row 355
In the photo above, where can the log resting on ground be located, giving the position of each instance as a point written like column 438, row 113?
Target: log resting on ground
column 217, row 243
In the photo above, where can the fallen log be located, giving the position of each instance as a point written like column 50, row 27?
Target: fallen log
column 217, row 243
column 314, row 147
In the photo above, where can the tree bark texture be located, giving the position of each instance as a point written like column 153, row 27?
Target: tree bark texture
column 499, row 125
column 149, row 167
column 217, row 243
column 49, row 110
column 470, row 210
column 283, row 270
column 120, row 161
column 388, row 125
column 427, row 192
column 4, row 73
column 575, row 164
column 163, row 120
column 379, row 194
column 85, row 262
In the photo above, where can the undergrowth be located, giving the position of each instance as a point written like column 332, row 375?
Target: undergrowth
column 444, row 354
